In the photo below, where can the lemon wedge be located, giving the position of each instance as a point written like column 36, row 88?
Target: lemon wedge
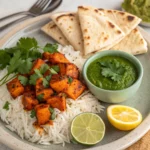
column 123, row 117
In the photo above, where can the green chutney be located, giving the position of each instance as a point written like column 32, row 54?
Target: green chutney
column 112, row 73
column 140, row 8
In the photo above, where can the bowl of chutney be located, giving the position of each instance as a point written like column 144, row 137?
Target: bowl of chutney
column 113, row 76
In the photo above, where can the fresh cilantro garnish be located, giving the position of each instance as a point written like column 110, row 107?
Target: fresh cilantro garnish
column 113, row 70
column 51, row 48
column 53, row 115
column 33, row 79
column 70, row 80
column 56, row 68
column 44, row 68
column 53, row 71
column 4, row 59
column 45, row 83
column 48, row 78
column 23, row 80
column 51, row 109
column 28, row 65
column 33, row 113
column 27, row 43
column 6, row 106
column 40, row 97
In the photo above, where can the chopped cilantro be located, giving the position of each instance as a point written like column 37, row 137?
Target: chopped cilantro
column 45, row 83
column 51, row 48
column 113, row 70
column 40, row 97
column 33, row 113
column 33, row 79
column 6, row 106
column 44, row 68
column 70, row 80
column 53, row 71
column 23, row 80
column 51, row 109
column 56, row 68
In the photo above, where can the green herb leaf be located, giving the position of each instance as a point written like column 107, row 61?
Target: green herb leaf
column 70, row 80
column 23, row 80
column 56, row 68
column 15, row 61
column 38, row 73
column 33, row 79
column 51, row 48
column 33, row 113
column 44, row 68
column 112, row 70
column 40, row 97
column 6, row 106
column 27, row 43
column 25, row 66
column 45, row 83
column 35, row 54
column 48, row 78
column 51, row 109
column 53, row 116
column 4, row 59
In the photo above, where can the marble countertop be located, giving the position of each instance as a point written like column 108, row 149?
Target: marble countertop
column 11, row 6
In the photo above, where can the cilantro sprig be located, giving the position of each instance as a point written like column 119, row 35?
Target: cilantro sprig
column 19, row 59
column 113, row 70
column 6, row 105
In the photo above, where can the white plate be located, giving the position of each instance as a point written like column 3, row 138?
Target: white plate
column 114, row 139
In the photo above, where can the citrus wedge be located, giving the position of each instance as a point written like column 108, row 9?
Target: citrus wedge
column 124, row 117
column 87, row 128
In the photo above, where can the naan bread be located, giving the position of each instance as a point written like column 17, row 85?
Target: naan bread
column 126, row 22
column 98, row 30
column 69, row 24
column 133, row 43
column 52, row 30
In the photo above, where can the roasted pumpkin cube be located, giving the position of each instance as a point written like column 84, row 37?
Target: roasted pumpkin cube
column 29, row 100
column 15, row 88
column 75, row 89
column 37, row 64
column 40, row 90
column 69, row 69
column 45, row 56
column 28, row 88
column 59, row 83
column 42, row 114
column 58, row 101
column 58, row 58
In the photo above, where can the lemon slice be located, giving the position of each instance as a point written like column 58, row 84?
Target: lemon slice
column 87, row 128
column 123, row 117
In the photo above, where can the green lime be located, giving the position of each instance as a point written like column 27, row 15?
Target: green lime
column 88, row 128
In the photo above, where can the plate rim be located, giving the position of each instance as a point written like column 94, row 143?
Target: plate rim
column 21, row 145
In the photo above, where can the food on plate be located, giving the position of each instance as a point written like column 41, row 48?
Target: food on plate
column 124, row 117
column 112, row 73
column 98, row 30
column 126, row 21
column 52, row 30
column 69, row 25
column 139, row 46
column 41, row 91
column 84, row 30
column 88, row 128
column 139, row 8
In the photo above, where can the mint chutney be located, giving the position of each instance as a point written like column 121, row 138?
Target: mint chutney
column 112, row 73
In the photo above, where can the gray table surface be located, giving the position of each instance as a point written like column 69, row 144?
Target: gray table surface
column 68, row 5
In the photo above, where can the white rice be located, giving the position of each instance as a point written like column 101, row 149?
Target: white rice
column 19, row 120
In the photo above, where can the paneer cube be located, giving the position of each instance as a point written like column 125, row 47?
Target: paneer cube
column 58, row 101
column 15, row 88
column 29, row 100
column 69, row 69
column 42, row 114
column 37, row 64
column 75, row 89
column 55, row 58
column 59, row 83
column 46, row 92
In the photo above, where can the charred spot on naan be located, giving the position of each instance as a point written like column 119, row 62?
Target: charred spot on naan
column 122, row 13
column 109, row 11
column 135, row 30
column 96, row 10
column 101, row 9
column 118, row 31
column 111, row 25
column 53, row 26
column 71, row 15
column 130, row 18
column 84, row 8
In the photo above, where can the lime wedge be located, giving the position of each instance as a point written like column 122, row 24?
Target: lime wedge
column 88, row 128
